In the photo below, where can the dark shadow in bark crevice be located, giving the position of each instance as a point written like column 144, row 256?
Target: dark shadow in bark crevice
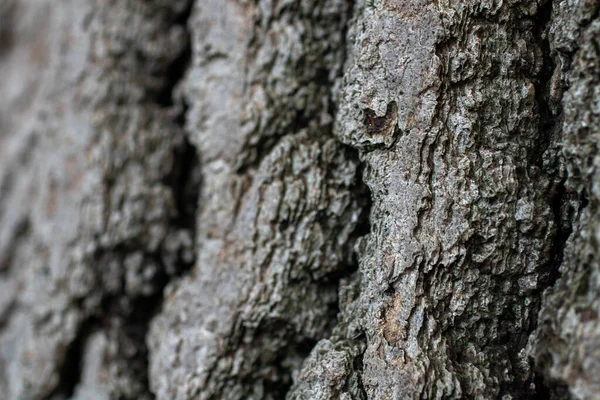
column 7, row 13
column 547, row 156
column 125, row 317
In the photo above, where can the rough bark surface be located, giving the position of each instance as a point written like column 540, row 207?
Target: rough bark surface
column 301, row 199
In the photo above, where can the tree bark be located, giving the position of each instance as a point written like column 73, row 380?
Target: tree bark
column 299, row 199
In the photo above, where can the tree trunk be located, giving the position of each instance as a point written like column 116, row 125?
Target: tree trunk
column 299, row 199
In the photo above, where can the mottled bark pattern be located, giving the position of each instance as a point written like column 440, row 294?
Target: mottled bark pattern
column 301, row 199
column 462, row 225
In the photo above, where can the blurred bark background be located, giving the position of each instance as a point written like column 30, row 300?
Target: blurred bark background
column 300, row 199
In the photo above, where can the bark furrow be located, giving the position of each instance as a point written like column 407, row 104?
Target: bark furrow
column 300, row 199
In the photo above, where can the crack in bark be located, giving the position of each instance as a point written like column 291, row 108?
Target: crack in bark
column 7, row 13
column 20, row 230
column 176, row 71
column 70, row 371
column 550, row 123
column 131, row 317
column 184, row 183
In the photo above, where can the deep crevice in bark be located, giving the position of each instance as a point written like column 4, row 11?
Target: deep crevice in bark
column 561, row 201
column 21, row 230
column 359, row 368
column 548, row 390
column 548, row 127
column 70, row 372
column 279, row 389
column 176, row 71
column 549, row 121
column 184, row 183
column 123, row 317
column 7, row 12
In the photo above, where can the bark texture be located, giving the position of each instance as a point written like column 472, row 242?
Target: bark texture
column 300, row 199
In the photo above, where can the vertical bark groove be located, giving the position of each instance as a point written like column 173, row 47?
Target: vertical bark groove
column 299, row 199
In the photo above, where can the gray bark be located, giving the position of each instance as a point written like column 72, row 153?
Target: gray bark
column 300, row 199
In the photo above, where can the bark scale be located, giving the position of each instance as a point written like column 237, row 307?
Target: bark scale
column 302, row 199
